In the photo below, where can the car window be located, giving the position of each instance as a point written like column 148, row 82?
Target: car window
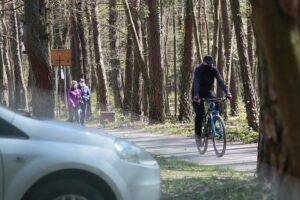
column 7, row 130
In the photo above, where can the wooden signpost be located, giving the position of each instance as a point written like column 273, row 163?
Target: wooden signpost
column 61, row 58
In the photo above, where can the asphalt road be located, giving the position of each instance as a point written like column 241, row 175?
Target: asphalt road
column 241, row 157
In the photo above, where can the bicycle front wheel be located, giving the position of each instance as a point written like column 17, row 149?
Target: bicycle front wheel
column 219, row 136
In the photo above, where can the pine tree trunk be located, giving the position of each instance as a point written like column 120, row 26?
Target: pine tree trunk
column 156, row 96
column 4, row 101
column 114, row 55
column 271, row 148
column 279, row 21
column 77, row 66
column 101, row 73
column 128, row 73
column 21, row 101
column 8, row 67
column 196, row 34
column 137, row 41
column 187, row 67
column 220, row 63
column 37, row 48
column 175, row 60
column 136, row 31
column 216, row 29
column 249, row 92
column 207, row 28
column 81, row 20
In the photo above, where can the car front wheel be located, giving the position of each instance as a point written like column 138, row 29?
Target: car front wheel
column 66, row 190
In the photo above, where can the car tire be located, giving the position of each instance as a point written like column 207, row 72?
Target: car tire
column 65, row 189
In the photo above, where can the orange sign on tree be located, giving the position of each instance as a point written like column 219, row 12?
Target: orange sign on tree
column 61, row 57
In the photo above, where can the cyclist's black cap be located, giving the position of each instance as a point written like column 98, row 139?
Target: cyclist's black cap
column 208, row 59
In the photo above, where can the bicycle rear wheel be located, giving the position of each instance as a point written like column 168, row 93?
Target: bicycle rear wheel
column 202, row 142
column 219, row 139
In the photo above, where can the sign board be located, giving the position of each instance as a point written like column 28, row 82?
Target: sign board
column 61, row 57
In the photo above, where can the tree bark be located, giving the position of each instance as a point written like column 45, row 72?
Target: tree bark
column 6, row 61
column 279, row 21
column 196, row 34
column 138, row 44
column 21, row 101
column 76, row 48
column 37, row 48
column 175, row 60
column 216, row 29
column 187, row 68
column 81, row 20
column 128, row 73
column 156, row 95
column 136, row 31
column 101, row 74
column 4, row 100
column 114, row 55
column 249, row 92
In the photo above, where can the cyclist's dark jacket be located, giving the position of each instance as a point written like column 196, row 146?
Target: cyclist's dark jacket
column 204, row 80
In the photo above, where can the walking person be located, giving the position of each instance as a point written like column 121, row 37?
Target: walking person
column 74, row 98
column 85, row 95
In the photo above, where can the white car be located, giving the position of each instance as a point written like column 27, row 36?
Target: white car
column 52, row 160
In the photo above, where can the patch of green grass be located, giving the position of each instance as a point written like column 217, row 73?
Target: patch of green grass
column 183, row 180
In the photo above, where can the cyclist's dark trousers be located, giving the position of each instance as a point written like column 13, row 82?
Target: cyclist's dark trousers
column 199, row 111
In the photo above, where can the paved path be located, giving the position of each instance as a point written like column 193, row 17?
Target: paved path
column 238, row 156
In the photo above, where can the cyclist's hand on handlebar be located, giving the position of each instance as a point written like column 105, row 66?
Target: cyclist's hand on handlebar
column 229, row 96
column 196, row 98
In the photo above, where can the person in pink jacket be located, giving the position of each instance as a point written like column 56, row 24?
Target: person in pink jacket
column 74, row 99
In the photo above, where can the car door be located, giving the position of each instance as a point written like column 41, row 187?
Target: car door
column 11, row 159
column 1, row 177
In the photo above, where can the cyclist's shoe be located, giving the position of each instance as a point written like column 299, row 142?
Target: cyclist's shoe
column 199, row 140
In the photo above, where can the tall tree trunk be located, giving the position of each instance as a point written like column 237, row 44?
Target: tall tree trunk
column 136, row 110
column 250, row 36
column 128, row 73
column 279, row 21
column 81, row 19
column 175, row 60
column 3, row 82
column 271, row 149
column 207, row 28
column 227, row 35
column 220, row 63
column 6, row 61
column 229, row 68
column 187, row 68
column 216, row 29
column 101, row 74
column 114, row 55
column 166, row 66
column 249, row 92
column 3, row 76
column 196, row 34
column 156, row 95
column 37, row 48
column 77, row 66
column 137, row 42
column 21, row 101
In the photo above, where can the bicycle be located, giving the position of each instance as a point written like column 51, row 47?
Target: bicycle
column 214, row 125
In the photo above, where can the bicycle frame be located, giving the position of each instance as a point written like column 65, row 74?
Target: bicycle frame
column 212, row 111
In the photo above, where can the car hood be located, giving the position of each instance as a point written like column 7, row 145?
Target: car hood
column 52, row 130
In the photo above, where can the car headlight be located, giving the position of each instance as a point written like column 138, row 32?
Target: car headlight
column 132, row 153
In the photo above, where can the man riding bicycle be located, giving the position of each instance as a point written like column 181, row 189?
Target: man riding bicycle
column 204, row 77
